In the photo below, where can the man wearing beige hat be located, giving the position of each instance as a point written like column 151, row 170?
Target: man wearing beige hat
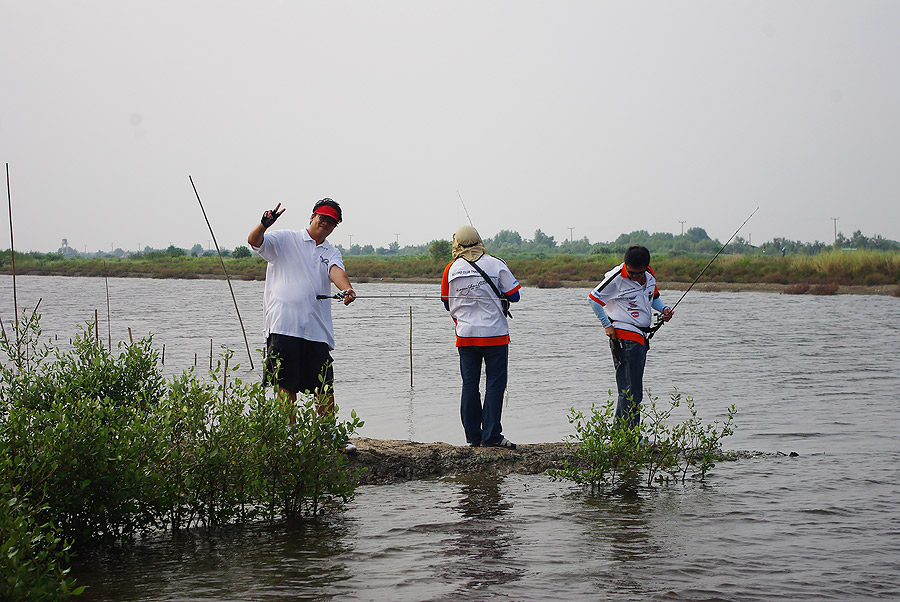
column 477, row 289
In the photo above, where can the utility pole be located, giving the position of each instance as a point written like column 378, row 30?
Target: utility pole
column 351, row 240
column 571, row 239
column 681, row 221
column 835, row 219
column 398, row 238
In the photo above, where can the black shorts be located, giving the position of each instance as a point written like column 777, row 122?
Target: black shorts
column 302, row 363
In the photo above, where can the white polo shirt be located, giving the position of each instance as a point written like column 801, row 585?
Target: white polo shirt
column 627, row 303
column 474, row 306
column 298, row 270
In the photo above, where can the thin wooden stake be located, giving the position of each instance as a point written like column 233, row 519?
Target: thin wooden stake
column 227, row 278
column 195, row 360
column 97, row 327
column 410, row 348
column 108, row 320
column 210, row 354
column 164, row 355
column 130, row 338
column 224, row 378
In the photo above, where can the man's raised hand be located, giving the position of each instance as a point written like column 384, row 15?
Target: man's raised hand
column 269, row 217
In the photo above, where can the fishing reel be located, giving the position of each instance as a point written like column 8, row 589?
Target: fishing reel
column 339, row 295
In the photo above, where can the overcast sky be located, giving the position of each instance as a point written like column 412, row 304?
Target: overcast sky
column 602, row 117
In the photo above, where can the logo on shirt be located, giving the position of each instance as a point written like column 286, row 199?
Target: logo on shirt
column 633, row 308
column 466, row 290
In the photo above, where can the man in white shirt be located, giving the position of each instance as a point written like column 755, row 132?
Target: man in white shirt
column 477, row 288
column 623, row 302
column 298, row 327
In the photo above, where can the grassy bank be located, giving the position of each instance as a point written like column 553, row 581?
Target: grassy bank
column 860, row 268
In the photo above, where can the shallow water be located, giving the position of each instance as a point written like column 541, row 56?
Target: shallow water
column 814, row 375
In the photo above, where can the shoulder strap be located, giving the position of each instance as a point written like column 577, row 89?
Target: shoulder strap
column 504, row 302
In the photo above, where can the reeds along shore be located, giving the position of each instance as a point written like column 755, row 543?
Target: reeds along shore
column 859, row 268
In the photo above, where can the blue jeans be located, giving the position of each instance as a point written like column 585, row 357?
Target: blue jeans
column 482, row 425
column 629, row 358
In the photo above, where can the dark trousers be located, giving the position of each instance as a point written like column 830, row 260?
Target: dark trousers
column 629, row 358
column 482, row 425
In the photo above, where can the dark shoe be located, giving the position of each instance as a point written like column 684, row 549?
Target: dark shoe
column 504, row 443
column 473, row 443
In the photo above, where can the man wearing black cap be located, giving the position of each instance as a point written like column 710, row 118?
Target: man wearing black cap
column 298, row 327
column 624, row 303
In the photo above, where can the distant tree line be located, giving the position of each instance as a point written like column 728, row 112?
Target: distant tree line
column 508, row 243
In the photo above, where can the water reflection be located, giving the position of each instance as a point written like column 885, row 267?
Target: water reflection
column 479, row 560
column 622, row 524
column 616, row 528
column 297, row 561
column 411, row 416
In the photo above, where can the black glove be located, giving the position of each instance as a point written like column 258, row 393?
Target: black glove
column 268, row 221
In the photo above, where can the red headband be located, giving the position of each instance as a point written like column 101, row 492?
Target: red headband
column 328, row 211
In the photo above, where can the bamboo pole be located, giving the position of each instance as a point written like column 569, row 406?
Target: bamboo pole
column 12, row 254
column 227, row 278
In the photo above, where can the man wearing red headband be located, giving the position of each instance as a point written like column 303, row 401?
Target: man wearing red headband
column 298, row 327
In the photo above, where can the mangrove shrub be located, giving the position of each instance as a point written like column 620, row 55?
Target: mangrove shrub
column 606, row 451
column 98, row 447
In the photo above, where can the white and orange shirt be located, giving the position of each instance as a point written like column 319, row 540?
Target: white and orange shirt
column 474, row 306
column 298, row 270
column 627, row 303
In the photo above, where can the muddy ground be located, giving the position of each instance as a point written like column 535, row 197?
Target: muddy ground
column 390, row 461
column 393, row 461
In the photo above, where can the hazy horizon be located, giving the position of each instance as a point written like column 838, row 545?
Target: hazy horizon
column 579, row 118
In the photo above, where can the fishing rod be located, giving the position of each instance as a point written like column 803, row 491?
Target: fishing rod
column 341, row 295
column 227, row 278
column 660, row 323
column 464, row 208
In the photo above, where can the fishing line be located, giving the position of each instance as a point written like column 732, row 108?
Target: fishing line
column 227, row 278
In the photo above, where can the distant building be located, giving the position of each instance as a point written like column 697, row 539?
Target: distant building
column 66, row 251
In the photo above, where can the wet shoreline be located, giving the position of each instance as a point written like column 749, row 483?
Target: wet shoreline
column 711, row 287
column 392, row 461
